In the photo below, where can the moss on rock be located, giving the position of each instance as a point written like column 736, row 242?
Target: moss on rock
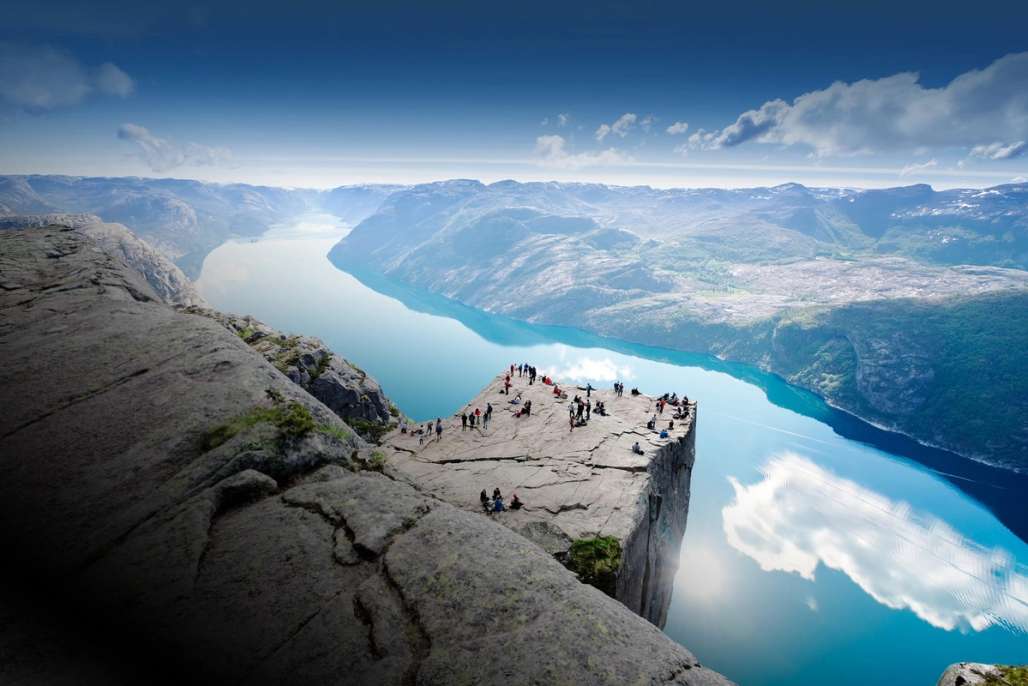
column 596, row 561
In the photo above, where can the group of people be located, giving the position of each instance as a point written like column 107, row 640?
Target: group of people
column 469, row 420
column 579, row 412
column 423, row 432
column 524, row 369
column 619, row 389
column 523, row 411
column 495, row 504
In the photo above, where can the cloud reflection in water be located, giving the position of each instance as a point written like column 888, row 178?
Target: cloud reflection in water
column 801, row 515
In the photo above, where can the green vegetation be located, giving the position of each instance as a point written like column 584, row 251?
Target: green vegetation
column 292, row 420
column 323, row 363
column 954, row 373
column 596, row 561
column 333, row 431
column 1011, row 676
column 394, row 411
column 377, row 461
column 247, row 333
column 372, row 431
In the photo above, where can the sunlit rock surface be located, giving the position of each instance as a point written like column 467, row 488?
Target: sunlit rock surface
column 575, row 484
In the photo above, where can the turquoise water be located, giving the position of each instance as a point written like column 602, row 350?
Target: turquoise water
column 819, row 550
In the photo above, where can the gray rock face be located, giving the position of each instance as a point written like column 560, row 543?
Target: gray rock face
column 166, row 279
column 341, row 386
column 575, row 484
column 972, row 673
column 185, row 497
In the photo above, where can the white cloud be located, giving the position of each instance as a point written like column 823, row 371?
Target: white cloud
column 802, row 516
column 679, row 127
column 592, row 369
column 621, row 126
column 647, row 122
column 41, row 77
column 999, row 151
column 162, row 155
column 915, row 167
column 552, row 151
column 896, row 112
column 561, row 120
column 110, row 79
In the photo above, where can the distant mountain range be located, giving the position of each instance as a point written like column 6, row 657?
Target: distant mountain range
column 184, row 219
column 905, row 306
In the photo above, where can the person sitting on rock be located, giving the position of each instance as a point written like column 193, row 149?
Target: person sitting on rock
column 497, row 494
column 635, row 391
column 528, row 408
column 652, row 424
column 671, row 425
column 484, row 499
column 516, row 399
column 515, row 502
column 664, row 433
column 498, row 504
column 635, row 449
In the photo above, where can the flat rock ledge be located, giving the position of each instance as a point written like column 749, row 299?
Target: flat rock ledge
column 174, row 503
column 576, row 485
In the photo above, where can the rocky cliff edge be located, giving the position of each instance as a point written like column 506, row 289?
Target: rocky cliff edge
column 170, row 495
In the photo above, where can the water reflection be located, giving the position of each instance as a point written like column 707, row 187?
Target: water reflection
column 801, row 515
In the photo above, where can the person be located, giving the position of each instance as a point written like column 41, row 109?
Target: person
column 663, row 433
column 403, row 426
column 464, row 422
column 528, row 408
column 496, row 493
column 588, row 409
column 511, row 370
column 635, row 391
column 515, row 502
column 671, row 425
column 588, row 390
column 484, row 499
column 652, row 424
column 635, row 449
column 571, row 422
column 516, row 399
column 498, row 504
column 438, row 427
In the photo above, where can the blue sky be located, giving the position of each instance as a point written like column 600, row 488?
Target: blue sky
column 662, row 93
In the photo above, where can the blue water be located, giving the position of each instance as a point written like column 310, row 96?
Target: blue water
column 819, row 550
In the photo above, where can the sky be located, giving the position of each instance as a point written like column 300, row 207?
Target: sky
column 308, row 94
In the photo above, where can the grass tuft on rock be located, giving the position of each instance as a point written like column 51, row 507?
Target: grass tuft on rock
column 377, row 461
column 596, row 561
column 292, row 420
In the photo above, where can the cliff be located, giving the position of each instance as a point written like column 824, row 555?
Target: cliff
column 175, row 507
column 580, row 488
column 343, row 387
column 166, row 279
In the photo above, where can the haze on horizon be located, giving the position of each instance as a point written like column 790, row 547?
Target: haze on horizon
column 651, row 93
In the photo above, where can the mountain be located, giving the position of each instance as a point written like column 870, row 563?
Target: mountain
column 177, row 510
column 846, row 292
column 183, row 219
